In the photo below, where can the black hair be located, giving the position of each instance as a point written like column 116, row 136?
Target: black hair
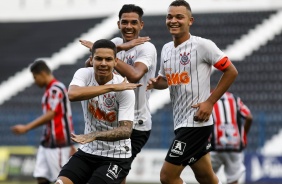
column 104, row 43
column 181, row 3
column 39, row 66
column 128, row 8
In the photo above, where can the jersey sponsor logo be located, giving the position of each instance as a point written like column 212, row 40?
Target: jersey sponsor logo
column 167, row 69
column 129, row 60
column 109, row 100
column 101, row 115
column 177, row 78
column 185, row 58
column 178, row 148
column 113, row 171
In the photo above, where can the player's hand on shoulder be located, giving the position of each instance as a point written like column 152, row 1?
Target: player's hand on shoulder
column 19, row 129
column 83, row 138
column 134, row 42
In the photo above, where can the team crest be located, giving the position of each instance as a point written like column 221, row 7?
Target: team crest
column 109, row 100
column 130, row 60
column 185, row 58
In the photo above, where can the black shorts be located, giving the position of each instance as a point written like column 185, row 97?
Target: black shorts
column 86, row 168
column 189, row 145
column 138, row 141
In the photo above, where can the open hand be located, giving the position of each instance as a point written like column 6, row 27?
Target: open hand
column 86, row 43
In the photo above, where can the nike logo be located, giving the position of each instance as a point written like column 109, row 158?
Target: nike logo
column 173, row 155
column 224, row 63
column 166, row 60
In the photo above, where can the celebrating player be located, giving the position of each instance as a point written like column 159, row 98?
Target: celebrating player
column 108, row 108
column 186, row 65
column 137, row 60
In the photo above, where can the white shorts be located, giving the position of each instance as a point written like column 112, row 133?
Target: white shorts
column 49, row 162
column 233, row 164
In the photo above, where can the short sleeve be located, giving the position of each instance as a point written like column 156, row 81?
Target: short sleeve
column 81, row 77
column 161, row 71
column 211, row 53
column 147, row 54
column 243, row 109
column 55, row 98
column 126, row 100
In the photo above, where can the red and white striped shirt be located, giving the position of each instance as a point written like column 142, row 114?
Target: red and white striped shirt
column 57, row 131
column 229, row 133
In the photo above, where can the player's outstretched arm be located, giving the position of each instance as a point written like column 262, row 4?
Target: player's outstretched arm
column 22, row 129
column 122, row 132
column 79, row 93
column 157, row 83
column 137, row 41
column 124, row 46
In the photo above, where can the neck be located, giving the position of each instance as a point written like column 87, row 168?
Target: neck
column 180, row 39
column 101, row 80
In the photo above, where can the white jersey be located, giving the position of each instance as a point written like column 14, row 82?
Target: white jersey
column 187, row 69
column 103, row 112
column 147, row 54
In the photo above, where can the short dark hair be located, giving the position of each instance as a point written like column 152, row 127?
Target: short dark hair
column 181, row 3
column 39, row 66
column 128, row 8
column 104, row 43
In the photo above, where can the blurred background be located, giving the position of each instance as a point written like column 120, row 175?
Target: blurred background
column 248, row 31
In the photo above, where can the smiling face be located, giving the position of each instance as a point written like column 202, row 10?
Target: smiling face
column 103, row 62
column 178, row 22
column 130, row 26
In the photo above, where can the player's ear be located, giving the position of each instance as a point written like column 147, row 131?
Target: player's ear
column 118, row 24
column 142, row 24
column 191, row 20
column 116, row 60
column 90, row 61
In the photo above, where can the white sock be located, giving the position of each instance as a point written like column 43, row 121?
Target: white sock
column 219, row 182
column 184, row 182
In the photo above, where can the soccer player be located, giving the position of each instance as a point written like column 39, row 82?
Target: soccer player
column 108, row 108
column 186, row 65
column 56, row 145
column 137, row 59
column 229, row 136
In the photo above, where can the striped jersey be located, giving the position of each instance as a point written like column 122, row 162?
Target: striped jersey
column 187, row 69
column 228, row 113
column 57, row 131
column 103, row 112
column 147, row 54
